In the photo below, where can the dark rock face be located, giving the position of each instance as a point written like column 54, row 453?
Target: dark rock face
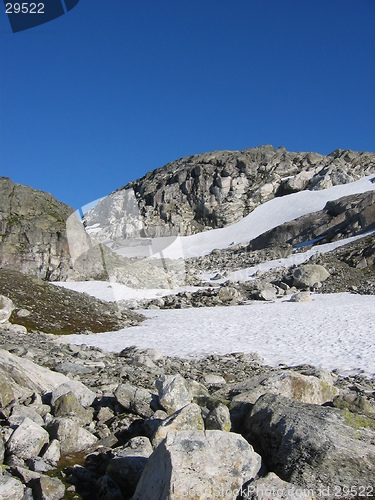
column 33, row 231
column 212, row 190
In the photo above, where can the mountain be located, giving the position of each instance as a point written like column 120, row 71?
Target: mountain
column 213, row 190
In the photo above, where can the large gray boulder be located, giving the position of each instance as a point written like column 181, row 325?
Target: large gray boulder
column 26, row 377
column 174, row 392
column 313, row 446
column 198, row 465
column 83, row 394
column 288, row 383
column 27, row 440
column 72, row 437
column 308, row 275
column 187, row 418
column 11, row 488
column 135, row 399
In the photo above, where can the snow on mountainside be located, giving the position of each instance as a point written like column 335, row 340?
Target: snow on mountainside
column 263, row 218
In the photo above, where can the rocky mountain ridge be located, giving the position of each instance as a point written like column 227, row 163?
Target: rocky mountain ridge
column 212, row 190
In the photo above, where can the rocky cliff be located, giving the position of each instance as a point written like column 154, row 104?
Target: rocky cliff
column 212, row 190
column 33, row 231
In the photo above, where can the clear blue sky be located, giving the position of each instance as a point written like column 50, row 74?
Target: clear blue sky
column 115, row 88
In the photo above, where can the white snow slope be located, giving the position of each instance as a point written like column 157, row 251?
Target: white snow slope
column 333, row 331
column 263, row 218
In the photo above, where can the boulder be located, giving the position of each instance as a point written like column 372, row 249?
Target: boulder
column 218, row 419
column 11, row 488
column 20, row 412
column 53, row 452
column 6, row 391
column 127, row 466
column 187, row 418
column 301, row 297
column 308, row 275
column 27, row 440
column 47, row 488
column 317, row 447
column 6, row 308
column 228, row 294
column 135, row 399
column 84, row 395
column 26, row 377
column 271, row 487
column 266, row 292
column 287, row 383
column 198, row 465
column 68, row 405
column 72, row 437
column 174, row 393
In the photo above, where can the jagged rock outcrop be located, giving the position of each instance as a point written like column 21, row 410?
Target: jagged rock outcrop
column 340, row 218
column 212, row 190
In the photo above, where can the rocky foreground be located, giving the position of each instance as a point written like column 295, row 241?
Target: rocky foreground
column 77, row 422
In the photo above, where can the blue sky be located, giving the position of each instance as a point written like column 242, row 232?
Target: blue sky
column 113, row 89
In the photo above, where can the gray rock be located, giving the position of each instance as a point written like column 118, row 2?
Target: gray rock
column 307, row 275
column 27, row 377
column 127, row 466
column 287, row 383
column 40, row 465
column 20, row 412
column 313, row 446
column 212, row 380
column 11, row 488
column 47, row 488
column 135, row 399
column 6, row 308
column 27, row 440
column 267, row 293
column 72, row 437
column 174, row 393
column 187, row 418
column 301, row 297
column 84, row 395
column 53, row 451
column 228, row 294
column 218, row 419
column 199, row 464
column 68, row 405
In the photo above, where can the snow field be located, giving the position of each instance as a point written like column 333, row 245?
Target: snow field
column 334, row 331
